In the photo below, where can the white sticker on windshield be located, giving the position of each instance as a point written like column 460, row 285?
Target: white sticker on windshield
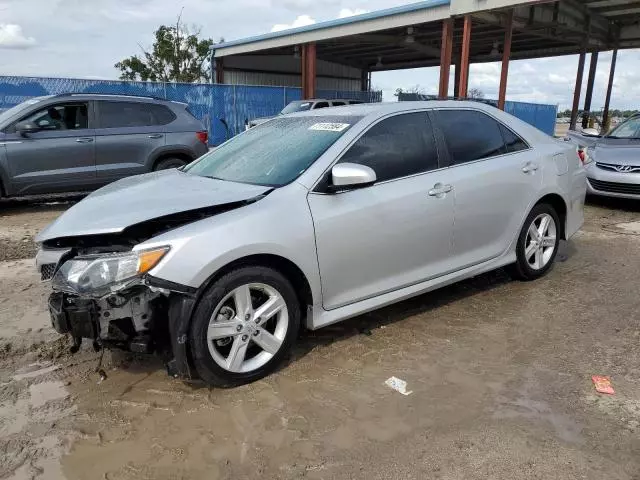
column 329, row 127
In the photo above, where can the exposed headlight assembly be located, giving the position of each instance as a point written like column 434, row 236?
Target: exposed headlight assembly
column 100, row 275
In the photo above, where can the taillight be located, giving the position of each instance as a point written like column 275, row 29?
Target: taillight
column 203, row 136
column 582, row 155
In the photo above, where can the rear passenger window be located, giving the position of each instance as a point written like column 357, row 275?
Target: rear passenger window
column 396, row 147
column 337, row 104
column 131, row 114
column 321, row 105
column 470, row 135
column 512, row 142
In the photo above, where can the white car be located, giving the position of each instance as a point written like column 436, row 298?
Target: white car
column 304, row 106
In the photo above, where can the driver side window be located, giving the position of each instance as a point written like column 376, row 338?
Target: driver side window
column 61, row 117
column 396, row 147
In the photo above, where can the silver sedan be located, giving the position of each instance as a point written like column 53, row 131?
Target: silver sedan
column 305, row 221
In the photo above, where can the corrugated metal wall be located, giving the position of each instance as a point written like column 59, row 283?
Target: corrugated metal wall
column 283, row 70
column 222, row 108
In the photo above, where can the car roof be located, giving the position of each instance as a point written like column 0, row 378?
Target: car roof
column 107, row 96
column 383, row 108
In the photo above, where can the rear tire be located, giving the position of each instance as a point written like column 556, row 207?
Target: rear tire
column 227, row 326
column 537, row 244
column 167, row 163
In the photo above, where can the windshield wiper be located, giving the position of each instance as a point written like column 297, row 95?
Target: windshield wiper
column 214, row 178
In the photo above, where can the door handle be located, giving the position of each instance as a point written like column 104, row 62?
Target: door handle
column 155, row 135
column 84, row 140
column 529, row 167
column 439, row 190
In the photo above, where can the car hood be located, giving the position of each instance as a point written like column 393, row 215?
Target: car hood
column 617, row 151
column 137, row 199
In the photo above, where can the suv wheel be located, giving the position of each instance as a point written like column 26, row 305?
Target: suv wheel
column 172, row 162
column 244, row 325
column 537, row 244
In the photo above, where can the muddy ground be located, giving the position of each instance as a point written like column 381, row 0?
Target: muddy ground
column 500, row 374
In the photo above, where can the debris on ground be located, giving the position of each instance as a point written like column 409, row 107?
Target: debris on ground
column 602, row 384
column 398, row 385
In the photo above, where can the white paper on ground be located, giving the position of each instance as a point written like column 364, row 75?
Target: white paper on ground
column 398, row 385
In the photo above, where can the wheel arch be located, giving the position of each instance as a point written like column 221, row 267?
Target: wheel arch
column 560, row 206
column 171, row 152
column 286, row 267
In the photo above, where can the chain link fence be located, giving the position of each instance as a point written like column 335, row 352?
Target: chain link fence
column 224, row 109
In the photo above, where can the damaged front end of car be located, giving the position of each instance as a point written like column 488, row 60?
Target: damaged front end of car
column 103, row 290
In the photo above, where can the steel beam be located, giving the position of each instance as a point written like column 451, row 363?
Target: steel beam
column 576, row 91
column 590, row 80
column 445, row 57
column 506, row 57
column 612, row 71
column 464, row 58
column 308, row 71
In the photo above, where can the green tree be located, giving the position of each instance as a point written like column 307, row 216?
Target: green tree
column 177, row 55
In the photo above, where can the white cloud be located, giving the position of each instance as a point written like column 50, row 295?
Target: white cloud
column 11, row 36
column 347, row 12
column 300, row 21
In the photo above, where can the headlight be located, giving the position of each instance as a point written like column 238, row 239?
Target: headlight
column 99, row 275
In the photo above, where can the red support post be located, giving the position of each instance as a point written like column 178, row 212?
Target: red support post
column 445, row 57
column 464, row 57
column 506, row 56
column 219, row 62
column 308, row 71
column 590, row 81
column 576, row 91
column 605, row 114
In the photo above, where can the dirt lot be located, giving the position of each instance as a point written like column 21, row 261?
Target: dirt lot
column 500, row 373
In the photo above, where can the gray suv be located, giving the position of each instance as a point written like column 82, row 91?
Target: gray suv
column 76, row 142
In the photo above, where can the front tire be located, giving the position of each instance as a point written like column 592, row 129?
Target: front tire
column 537, row 243
column 244, row 326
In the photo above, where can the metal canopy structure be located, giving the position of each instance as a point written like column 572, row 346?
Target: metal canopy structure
column 443, row 32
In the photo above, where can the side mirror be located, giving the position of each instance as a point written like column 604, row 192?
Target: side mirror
column 346, row 176
column 25, row 128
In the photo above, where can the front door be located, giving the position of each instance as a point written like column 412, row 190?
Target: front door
column 395, row 233
column 495, row 177
column 58, row 158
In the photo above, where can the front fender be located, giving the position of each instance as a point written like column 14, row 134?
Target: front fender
column 280, row 224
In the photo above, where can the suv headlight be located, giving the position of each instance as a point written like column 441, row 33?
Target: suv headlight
column 99, row 275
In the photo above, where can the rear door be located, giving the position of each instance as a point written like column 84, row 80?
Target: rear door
column 58, row 158
column 495, row 176
column 395, row 233
column 127, row 135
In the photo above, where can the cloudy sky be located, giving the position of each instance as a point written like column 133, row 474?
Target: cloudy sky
column 84, row 38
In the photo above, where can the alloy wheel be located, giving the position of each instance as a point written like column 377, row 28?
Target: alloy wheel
column 541, row 241
column 248, row 327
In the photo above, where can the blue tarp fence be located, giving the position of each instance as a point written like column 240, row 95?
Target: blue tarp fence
column 539, row 115
column 222, row 108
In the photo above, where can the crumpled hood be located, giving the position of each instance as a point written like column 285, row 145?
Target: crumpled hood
column 617, row 151
column 136, row 199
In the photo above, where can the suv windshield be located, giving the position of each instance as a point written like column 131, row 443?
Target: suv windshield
column 10, row 113
column 274, row 153
column 628, row 129
column 293, row 107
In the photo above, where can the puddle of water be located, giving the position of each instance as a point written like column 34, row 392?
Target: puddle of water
column 32, row 371
column 16, row 417
column 631, row 227
column 44, row 392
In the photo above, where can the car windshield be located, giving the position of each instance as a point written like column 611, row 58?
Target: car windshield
column 628, row 129
column 273, row 153
column 10, row 113
column 296, row 107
